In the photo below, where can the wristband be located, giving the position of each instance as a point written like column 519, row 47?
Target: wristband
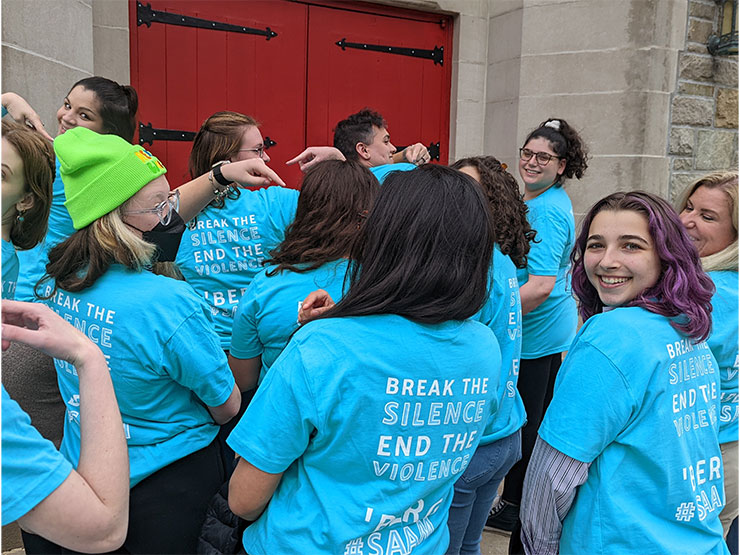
column 218, row 176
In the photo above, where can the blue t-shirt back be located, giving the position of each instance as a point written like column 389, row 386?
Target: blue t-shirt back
column 376, row 418
column 723, row 342
column 224, row 248
column 165, row 362
column 640, row 402
column 381, row 172
column 32, row 468
column 268, row 312
column 10, row 270
column 503, row 314
column 33, row 262
column 551, row 327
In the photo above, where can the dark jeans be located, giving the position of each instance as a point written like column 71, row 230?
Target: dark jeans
column 166, row 509
column 535, row 385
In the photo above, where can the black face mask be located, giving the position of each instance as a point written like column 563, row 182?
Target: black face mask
column 166, row 237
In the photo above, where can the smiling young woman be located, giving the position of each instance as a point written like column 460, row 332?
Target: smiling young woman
column 645, row 304
column 708, row 210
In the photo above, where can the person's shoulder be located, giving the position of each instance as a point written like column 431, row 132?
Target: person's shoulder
column 278, row 193
column 624, row 327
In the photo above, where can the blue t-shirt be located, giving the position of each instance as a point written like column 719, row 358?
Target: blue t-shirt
column 640, row 402
column 381, row 172
column 551, row 327
column 723, row 342
column 165, row 362
column 371, row 419
column 33, row 262
column 224, row 248
column 32, row 468
column 503, row 314
column 268, row 312
column 10, row 270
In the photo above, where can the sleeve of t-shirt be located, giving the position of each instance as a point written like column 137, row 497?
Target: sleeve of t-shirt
column 193, row 357
column 32, row 468
column 245, row 341
column 591, row 405
column 277, row 426
column 282, row 203
column 546, row 251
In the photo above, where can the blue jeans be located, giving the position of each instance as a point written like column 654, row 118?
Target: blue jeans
column 475, row 491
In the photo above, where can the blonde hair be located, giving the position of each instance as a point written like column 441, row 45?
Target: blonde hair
column 78, row 262
column 727, row 258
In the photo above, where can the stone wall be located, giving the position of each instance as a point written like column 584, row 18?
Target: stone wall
column 704, row 117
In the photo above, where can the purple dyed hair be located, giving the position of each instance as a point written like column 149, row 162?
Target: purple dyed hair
column 683, row 290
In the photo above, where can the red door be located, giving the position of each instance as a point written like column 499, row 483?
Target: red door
column 278, row 61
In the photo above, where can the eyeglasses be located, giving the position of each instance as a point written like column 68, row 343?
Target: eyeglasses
column 543, row 158
column 259, row 150
column 164, row 209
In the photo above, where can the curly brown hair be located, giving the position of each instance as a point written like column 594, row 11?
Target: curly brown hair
column 512, row 230
column 567, row 144
column 334, row 201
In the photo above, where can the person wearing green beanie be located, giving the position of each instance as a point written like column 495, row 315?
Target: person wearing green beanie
column 170, row 375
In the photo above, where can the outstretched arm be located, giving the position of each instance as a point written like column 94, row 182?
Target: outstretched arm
column 315, row 154
column 196, row 194
column 89, row 510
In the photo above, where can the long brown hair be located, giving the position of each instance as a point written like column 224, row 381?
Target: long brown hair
column 509, row 211
column 39, row 169
column 335, row 198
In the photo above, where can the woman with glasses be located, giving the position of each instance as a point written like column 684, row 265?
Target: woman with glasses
column 171, row 377
column 551, row 153
column 226, row 244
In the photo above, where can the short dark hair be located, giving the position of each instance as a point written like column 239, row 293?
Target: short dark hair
column 335, row 199
column 118, row 105
column 513, row 232
column 357, row 128
column 425, row 250
column 683, row 291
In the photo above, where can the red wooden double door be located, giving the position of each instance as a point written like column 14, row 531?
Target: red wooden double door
column 298, row 67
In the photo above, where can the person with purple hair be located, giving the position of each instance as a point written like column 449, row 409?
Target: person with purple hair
column 633, row 424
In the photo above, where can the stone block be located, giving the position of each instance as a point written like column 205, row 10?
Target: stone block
column 695, row 89
column 701, row 10
column 110, row 13
column 501, row 130
column 683, row 164
column 469, row 128
column 695, row 68
column 57, row 30
column 505, row 37
column 599, row 71
column 725, row 71
column 699, row 30
column 726, row 114
column 716, row 150
column 692, row 111
column 682, row 141
column 697, row 48
column 503, row 80
column 679, row 182
column 471, row 81
column 621, row 123
column 473, row 39
column 111, row 47
column 20, row 74
column 500, row 7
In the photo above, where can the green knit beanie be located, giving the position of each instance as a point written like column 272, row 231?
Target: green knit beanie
column 101, row 172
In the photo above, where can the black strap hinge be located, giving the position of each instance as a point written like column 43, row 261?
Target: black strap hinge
column 145, row 15
column 437, row 54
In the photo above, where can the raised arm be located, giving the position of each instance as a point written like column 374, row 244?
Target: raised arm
column 89, row 510
column 21, row 111
column 196, row 194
